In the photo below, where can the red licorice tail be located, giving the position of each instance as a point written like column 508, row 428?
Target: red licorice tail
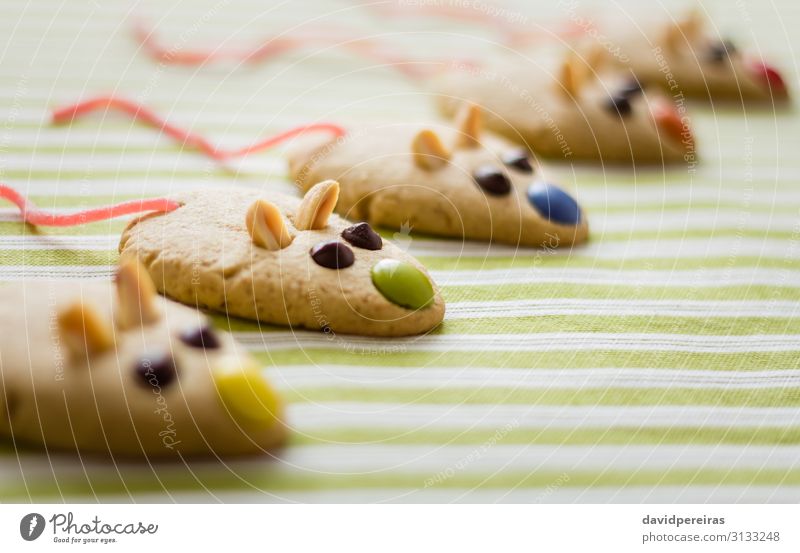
column 185, row 137
column 153, row 47
column 275, row 46
column 35, row 216
column 509, row 26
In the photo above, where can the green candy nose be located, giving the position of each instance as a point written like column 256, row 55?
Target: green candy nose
column 402, row 284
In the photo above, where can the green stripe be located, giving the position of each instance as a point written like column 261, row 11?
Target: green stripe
column 752, row 361
column 528, row 259
column 488, row 395
column 550, row 436
column 655, row 324
column 544, row 290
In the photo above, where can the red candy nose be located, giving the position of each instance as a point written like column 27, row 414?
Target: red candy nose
column 670, row 123
column 768, row 75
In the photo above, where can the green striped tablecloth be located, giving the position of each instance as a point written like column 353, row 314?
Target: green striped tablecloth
column 659, row 363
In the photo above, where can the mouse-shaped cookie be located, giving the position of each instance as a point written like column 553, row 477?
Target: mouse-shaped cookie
column 114, row 369
column 286, row 261
column 574, row 110
column 684, row 59
column 455, row 181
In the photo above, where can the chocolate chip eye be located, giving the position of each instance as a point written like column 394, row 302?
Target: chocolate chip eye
column 630, row 89
column 519, row 160
column 361, row 235
column 493, row 181
column 619, row 105
column 721, row 50
column 332, row 255
column 156, row 370
column 200, row 337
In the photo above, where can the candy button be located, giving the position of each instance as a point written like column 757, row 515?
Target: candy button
column 518, row 159
column 554, row 204
column 244, row 391
column 332, row 255
column 402, row 284
column 156, row 370
column 619, row 105
column 361, row 235
column 492, row 180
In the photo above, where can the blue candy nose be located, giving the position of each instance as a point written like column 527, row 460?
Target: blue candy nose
column 554, row 204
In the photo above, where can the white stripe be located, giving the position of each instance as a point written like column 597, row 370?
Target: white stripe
column 137, row 162
column 30, row 272
column 294, row 377
column 147, row 187
column 694, row 219
column 599, row 197
column 495, row 457
column 539, row 342
column 633, row 249
column 308, row 417
column 621, row 308
column 694, row 278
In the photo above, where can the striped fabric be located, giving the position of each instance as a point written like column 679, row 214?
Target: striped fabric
column 661, row 362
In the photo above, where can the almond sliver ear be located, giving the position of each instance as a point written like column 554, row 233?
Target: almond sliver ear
column 596, row 58
column 266, row 226
column 571, row 77
column 83, row 330
column 429, row 151
column 469, row 124
column 136, row 295
column 691, row 23
column 317, row 206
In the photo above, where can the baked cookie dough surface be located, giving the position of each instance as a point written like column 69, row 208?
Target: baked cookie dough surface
column 570, row 112
column 203, row 255
column 169, row 388
column 475, row 185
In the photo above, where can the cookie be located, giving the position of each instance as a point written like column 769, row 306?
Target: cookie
column 460, row 182
column 686, row 60
column 285, row 261
column 115, row 369
column 574, row 110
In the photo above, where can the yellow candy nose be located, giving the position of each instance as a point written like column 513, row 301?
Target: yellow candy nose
column 245, row 392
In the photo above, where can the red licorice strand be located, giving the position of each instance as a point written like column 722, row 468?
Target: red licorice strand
column 35, row 216
column 279, row 45
column 138, row 112
column 149, row 41
column 512, row 34
column 410, row 68
column 143, row 114
column 335, row 130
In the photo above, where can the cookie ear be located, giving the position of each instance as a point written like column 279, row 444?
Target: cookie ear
column 683, row 30
column 266, row 226
column 692, row 23
column 469, row 123
column 83, row 330
column 571, row 77
column 596, row 58
column 429, row 151
column 136, row 295
column 317, row 205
